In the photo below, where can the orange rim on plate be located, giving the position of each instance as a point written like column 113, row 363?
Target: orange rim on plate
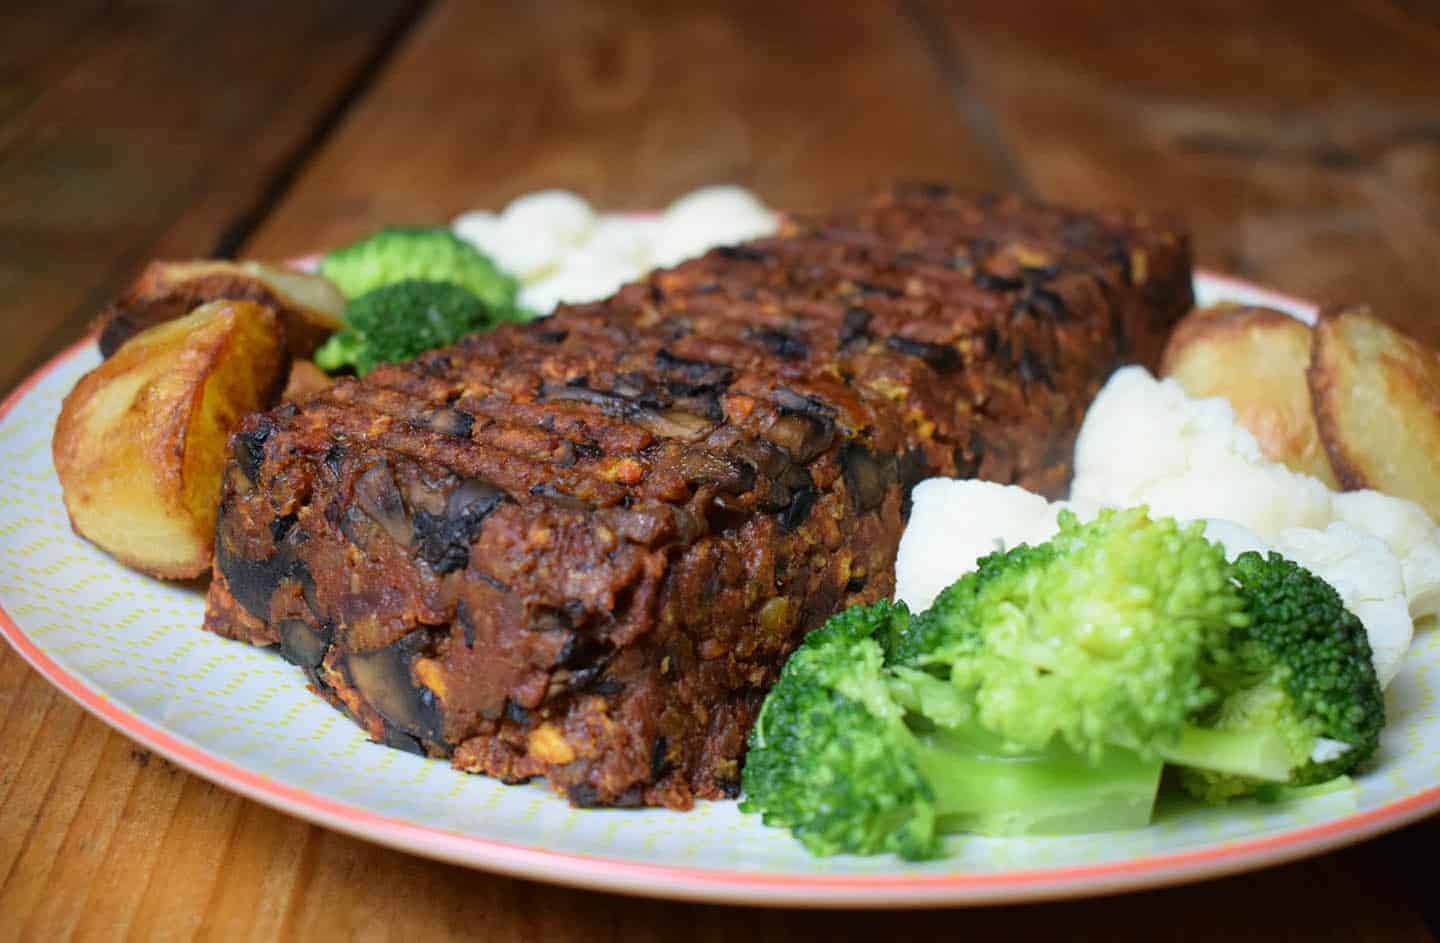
column 721, row 885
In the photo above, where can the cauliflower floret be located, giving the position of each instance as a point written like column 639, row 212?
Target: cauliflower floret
column 1130, row 408
column 582, row 275
column 535, row 231
column 1144, row 441
column 628, row 240
column 481, row 229
column 1326, row 750
column 1369, row 580
column 1234, row 538
column 954, row 522
column 1412, row 536
column 708, row 217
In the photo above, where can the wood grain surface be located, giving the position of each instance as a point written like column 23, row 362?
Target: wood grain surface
column 1303, row 147
column 1302, row 140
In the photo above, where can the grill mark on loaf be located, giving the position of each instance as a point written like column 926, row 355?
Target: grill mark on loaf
column 679, row 482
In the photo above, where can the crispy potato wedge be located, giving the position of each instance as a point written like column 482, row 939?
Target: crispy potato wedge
column 1256, row 358
column 1376, row 395
column 143, row 438
column 310, row 306
column 305, row 381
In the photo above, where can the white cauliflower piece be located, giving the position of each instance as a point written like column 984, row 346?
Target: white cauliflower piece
column 1369, row 580
column 1234, row 538
column 1421, row 566
column 709, row 217
column 1411, row 535
column 627, row 240
column 1144, row 441
column 582, row 275
column 954, row 522
column 563, row 214
column 479, row 228
column 537, row 229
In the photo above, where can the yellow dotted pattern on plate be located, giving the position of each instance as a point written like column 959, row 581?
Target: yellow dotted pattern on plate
column 138, row 642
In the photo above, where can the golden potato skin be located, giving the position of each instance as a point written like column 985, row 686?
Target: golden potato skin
column 305, row 381
column 1376, row 394
column 1257, row 359
column 142, row 439
column 310, row 306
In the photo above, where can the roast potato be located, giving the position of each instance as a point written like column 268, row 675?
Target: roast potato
column 142, row 439
column 305, row 381
column 1376, row 394
column 1257, row 359
column 310, row 306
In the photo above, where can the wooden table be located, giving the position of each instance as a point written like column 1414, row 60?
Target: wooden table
column 1302, row 139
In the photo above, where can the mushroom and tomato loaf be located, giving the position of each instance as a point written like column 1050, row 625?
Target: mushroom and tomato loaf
column 582, row 548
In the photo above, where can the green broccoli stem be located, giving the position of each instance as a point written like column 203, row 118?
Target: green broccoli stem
column 1257, row 753
column 984, row 791
column 1279, row 792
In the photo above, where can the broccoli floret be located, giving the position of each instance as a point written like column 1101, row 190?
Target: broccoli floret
column 1094, row 639
column 400, row 253
column 1301, row 666
column 830, row 757
column 1034, row 697
column 838, row 758
column 949, row 626
column 1044, row 693
column 398, row 321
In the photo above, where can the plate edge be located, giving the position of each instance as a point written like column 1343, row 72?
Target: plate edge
column 720, row 885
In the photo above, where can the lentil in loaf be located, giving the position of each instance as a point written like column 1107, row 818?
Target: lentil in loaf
column 582, row 548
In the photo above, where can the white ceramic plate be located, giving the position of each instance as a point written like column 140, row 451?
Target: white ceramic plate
column 129, row 649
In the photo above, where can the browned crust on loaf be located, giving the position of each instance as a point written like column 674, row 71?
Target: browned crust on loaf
column 582, row 548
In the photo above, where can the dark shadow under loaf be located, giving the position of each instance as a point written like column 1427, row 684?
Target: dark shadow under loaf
column 582, row 548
